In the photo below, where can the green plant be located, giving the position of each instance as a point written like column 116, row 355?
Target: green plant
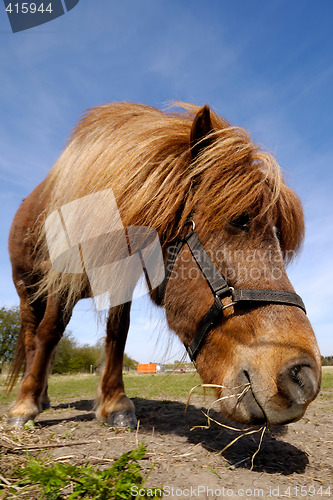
column 114, row 483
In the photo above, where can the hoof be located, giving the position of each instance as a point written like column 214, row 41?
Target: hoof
column 18, row 421
column 122, row 419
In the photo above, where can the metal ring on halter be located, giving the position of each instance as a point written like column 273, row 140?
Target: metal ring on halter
column 231, row 303
column 191, row 231
column 192, row 223
column 228, row 305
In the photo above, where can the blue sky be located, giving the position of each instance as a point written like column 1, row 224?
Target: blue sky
column 267, row 66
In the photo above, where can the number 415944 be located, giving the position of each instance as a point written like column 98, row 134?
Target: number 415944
column 28, row 8
column 307, row 491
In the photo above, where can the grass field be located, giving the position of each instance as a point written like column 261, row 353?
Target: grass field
column 327, row 381
column 85, row 386
column 148, row 386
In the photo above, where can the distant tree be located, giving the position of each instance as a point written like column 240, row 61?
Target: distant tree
column 327, row 360
column 72, row 358
column 129, row 363
column 10, row 324
column 64, row 353
column 85, row 356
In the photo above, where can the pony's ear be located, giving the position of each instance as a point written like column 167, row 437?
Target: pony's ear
column 201, row 127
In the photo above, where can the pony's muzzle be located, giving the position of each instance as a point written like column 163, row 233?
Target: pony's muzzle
column 297, row 384
column 275, row 400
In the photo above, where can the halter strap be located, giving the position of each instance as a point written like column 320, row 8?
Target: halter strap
column 220, row 289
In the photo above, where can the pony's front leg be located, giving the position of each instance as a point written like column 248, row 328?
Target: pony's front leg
column 113, row 406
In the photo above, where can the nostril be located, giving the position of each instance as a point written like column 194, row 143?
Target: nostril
column 298, row 383
column 296, row 375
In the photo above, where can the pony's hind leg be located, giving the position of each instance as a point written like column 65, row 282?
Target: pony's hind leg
column 31, row 314
column 39, row 346
column 113, row 406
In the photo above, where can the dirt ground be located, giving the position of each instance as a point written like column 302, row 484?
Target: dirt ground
column 293, row 462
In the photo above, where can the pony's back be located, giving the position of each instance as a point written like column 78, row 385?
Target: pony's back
column 144, row 156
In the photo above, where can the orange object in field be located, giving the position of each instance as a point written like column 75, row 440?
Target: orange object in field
column 146, row 368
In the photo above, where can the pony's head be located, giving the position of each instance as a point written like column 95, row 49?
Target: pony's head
column 264, row 357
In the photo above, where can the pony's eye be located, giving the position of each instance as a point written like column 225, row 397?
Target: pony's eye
column 242, row 222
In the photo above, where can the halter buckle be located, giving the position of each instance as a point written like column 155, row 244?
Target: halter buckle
column 231, row 290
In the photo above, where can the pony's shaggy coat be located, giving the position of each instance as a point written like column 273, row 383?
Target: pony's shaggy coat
column 143, row 154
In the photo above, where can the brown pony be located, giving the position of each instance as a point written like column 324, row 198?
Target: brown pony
column 165, row 169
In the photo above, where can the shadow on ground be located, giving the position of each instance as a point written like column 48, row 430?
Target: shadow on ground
column 170, row 417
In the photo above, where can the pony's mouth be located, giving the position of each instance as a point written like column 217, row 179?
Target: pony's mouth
column 258, row 412
column 246, row 409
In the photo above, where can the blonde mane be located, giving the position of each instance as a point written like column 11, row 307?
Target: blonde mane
column 143, row 155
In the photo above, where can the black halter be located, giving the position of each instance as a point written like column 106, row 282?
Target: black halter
column 220, row 289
